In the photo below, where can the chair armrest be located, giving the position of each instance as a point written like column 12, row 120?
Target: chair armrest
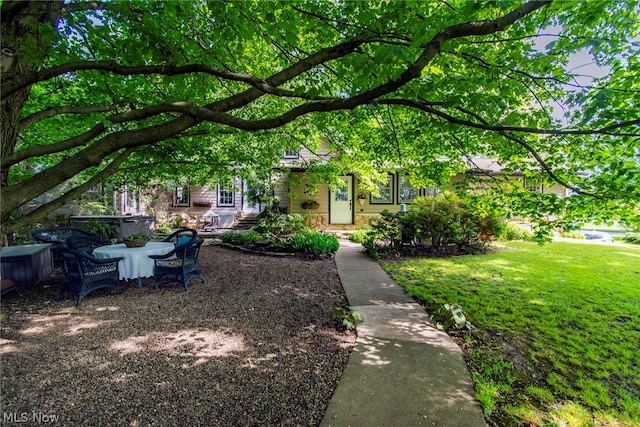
column 102, row 260
column 169, row 255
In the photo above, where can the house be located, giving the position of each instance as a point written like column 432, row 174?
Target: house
column 351, row 206
column 345, row 207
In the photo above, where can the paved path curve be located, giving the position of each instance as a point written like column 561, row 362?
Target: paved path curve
column 403, row 371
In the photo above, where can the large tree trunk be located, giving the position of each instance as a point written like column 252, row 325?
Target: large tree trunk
column 19, row 19
column 17, row 25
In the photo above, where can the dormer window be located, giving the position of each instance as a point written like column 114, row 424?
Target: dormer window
column 533, row 185
column 291, row 153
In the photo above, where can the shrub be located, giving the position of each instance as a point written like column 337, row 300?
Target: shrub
column 515, row 232
column 359, row 235
column 313, row 243
column 633, row 238
column 273, row 224
column 108, row 231
column 384, row 235
column 571, row 235
column 448, row 220
column 21, row 236
column 164, row 229
column 240, row 239
column 96, row 208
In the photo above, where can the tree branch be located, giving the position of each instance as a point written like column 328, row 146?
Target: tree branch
column 39, row 214
column 42, row 150
column 12, row 85
column 93, row 155
column 51, row 112
column 214, row 112
column 97, row 151
column 504, row 132
column 485, row 126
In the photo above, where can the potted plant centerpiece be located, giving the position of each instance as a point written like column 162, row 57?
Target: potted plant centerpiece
column 310, row 204
column 136, row 240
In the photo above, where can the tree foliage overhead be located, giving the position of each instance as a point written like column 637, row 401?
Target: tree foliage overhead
column 96, row 91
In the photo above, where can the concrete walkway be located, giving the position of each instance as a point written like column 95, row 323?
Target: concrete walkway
column 403, row 371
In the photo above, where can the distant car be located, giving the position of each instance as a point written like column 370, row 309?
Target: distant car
column 598, row 236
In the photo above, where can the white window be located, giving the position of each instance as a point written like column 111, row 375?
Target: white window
column 431, row 192
column 533, row 185
column 291, row 153
column 182, row 196
column 341, row 194
column 406, row 192
column 226, row 195
column 385, row 190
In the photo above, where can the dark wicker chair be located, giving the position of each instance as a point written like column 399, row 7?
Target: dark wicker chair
column 84, row 274
column 180, row 265
column 84, row 243
column 176, row 235
column 58, row 237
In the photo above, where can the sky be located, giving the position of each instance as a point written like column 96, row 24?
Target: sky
column 581, row 63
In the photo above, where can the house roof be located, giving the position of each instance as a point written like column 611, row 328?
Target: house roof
column 486, row 166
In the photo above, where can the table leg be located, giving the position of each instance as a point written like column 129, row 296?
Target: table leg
column 139, row 282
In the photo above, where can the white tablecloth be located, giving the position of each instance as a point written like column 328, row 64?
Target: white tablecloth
column 136, row 262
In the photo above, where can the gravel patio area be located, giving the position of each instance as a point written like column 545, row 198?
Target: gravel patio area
column 255, row 345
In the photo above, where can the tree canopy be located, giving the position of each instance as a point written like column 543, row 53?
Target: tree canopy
column 93, row 91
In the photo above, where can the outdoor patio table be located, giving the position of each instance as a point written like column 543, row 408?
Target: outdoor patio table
column 135, row 263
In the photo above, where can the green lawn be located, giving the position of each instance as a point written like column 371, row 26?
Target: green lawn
column 557, row 338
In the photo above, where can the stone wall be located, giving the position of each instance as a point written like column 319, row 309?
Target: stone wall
column 321, row 222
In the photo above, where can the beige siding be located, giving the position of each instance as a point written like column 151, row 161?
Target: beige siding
column 295, row 204
column 304, row 156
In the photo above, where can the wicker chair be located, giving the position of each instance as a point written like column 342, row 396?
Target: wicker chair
column 84, row 243
column 176, row 235
column 84, row 274
column 58, row 237
column 180, row 265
